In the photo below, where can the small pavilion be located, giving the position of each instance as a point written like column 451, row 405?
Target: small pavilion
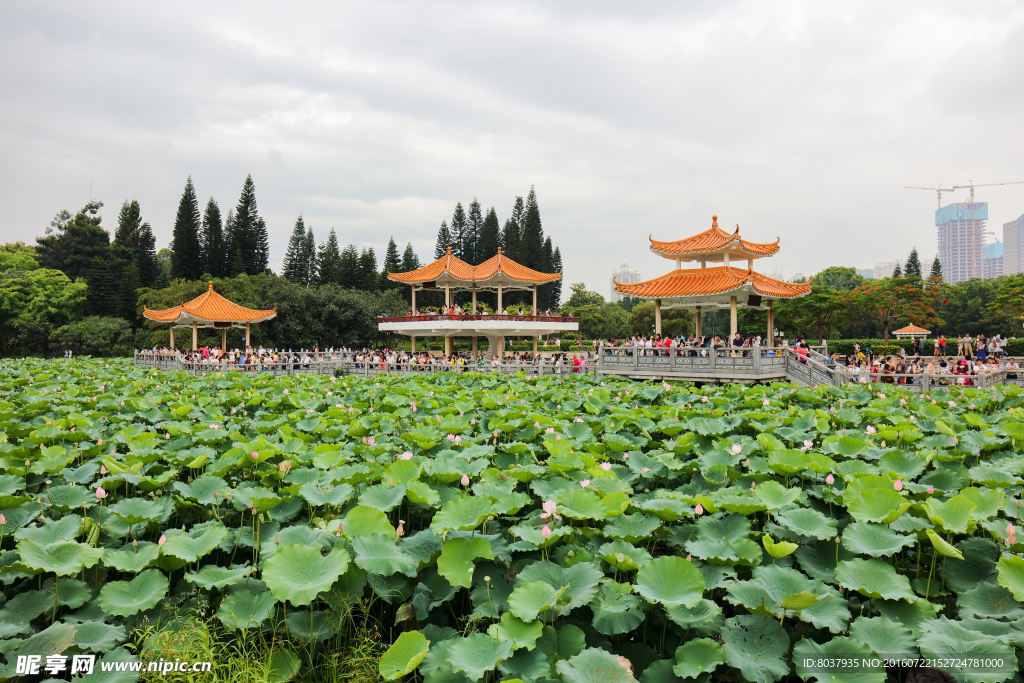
column 210, row 310
column 498, row 274
column 733, row 284
column 911, row 332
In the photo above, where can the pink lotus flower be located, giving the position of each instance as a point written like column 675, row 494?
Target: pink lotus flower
column 689, row 556
column 736, row 449
column 536, row 424
column 255, row 455
column 285, row 465
column 952, row 404
column 871, row 430
column 703, row 399
column 472, row 421
column 286, row 392
column 625, row 456
column 808, row 444
column 753, row 484
column 832, row 409
column 699, row 509
column 458, row 438
column 585, row 483
column 546, row 531
column 549, row 430
column 465, row 480
column 163, row 539
column 898, row 485
column 100, row 493
column 451, row 437
column 371, row 441
column 167, row 435
column 405, row 456
column 931, row 490
column 606, row 466
column 883, row 443
column 412, row 404
column 903, row 401
column 956, row 440
column 766, row 402
column 830, row 479
column 400, row 531
column 3, row 520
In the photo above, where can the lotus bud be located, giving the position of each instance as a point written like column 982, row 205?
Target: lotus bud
column 699, row 509
column 400, row 531
column 465, row 480
column 391, row 482
column 135, row 543
column 100, row 493
column 546, row 531
column 931, row 490
column 837, row 539
column 898, row 485
column 830, row 479
column 753, row 484
column 3, row 520
column 1009, row 529
column 606, row 466
column 99, row 442
column 285, row 465
column 277, row 539
column 883, row 443
column 255, row 455
column 103, row 469
column 163, row 539
column 689, row 556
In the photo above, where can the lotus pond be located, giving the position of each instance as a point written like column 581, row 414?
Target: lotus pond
column 585, row 530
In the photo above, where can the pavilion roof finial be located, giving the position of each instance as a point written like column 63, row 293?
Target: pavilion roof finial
column 211, row 285
column 714, row 221
column 449, row 251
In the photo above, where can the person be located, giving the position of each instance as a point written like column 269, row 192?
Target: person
column 1011, row 368
column 737, row 342
column 968, row 348
column 960, row 345
column 936, row 351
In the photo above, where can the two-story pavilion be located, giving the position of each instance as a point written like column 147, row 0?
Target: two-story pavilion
column 733, row 284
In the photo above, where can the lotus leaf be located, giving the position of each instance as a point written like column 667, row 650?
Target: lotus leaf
column 697, row 656
column 244, row 609
column 876, row 540
column 595, row 666
column 457, row 558
column 379, row 554
column 404, row 655
column 873, row 579
column 125, row 598
column 477, row 654
column 522, row 634
column 836, row 651
column 62, row 558
column 670, row 581
column 755, row 645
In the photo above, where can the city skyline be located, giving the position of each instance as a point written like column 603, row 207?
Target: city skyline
column 375, row 120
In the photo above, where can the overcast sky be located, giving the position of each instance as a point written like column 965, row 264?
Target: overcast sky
column 795, row 119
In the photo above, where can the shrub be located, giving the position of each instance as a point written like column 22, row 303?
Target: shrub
column 96, row 336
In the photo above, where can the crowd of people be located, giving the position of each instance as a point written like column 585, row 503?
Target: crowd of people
column 455, row 309
column 697, row 346
column 961, row 369
column 981, row 346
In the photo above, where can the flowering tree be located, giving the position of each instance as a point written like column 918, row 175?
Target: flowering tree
column 892, row 300
column 1010, row 300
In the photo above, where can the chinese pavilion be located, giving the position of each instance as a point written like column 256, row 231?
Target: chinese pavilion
column 733, row 284
column 497, row 274
column 210, row 310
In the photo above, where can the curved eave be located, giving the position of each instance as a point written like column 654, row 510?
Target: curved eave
column 740, row 249
column 703, row 283
column 496, row 269
column 186, row 317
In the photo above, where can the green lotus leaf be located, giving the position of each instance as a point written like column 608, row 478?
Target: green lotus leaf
column 580, row 582
column 616, row 610
column 724, row 541
column 876, row 540
column 789, row 588
column 366, row 521
column 847, row 446
column 244, row 609
column 756, row 645
column 632, row 528
column 775, row 495
column 884, row 636
column 420, row 493
column 316, row 495
column 513, row 629
column 624, row 556
column 189, row 547
column 911, row 614
column 788, row 461
column 125, row 598
column 873, row 579
column 379, row 554
column 580, row 504
column 97, row 636
column 779, row 549
column 697, row 656
column 907, row 466
column 284, row 665
column 137, row 510
column 457, row 558
column 298, row 573
column 63, row 558
column 461, row 513
column 827, row 661
column 404, row 655
column 808, row 522
column 312, row 626
column 878, row 505
column 132, row 559
column 214, row 576
column 832, row 614
column 477, row 654
column 51, row 641
column 383, row 497
column 947, row 638
column 1011, row 575
column 670, row 581
column 942, row 547
column 987, row 502
column 989, row 601
column 69, row 497
column 532, row 598
column 952, row 515
column 51, row 532
column 595, row 666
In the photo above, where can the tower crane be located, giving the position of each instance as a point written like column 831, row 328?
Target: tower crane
column 970, row 185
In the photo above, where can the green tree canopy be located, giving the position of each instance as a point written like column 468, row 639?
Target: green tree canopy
column 186, row 254
column 17, row 256
column 40, row 296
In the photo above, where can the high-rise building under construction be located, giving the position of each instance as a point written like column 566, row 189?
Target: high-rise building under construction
column 961, row 232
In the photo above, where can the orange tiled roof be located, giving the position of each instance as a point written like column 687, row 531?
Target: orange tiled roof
column 711, row 240
column 460, row 270
column 213, row 307
column 912, row 329
column 704, row 281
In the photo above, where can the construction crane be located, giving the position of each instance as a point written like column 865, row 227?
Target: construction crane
column 970, row 185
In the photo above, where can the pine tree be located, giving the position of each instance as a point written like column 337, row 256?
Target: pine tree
column 309, row 258
column 913, row 266
column 128, row 297
column 458, row 230
column 186, row 261
column 145, row 257
column 101, row 297
column 410, row 261
column 369, row 278
column 936, row 269
column 392, row 264
column 512, row 233
column 490, row 237
column 329, row 261
column 351, row 275
column 471, row 235
column 129, row 222
column 555, row 296
column 262, row 254
column 249, row 232
column 212, row 241
column 444, row 241
column 897, row 272
column 531, row 243
column 292, row 268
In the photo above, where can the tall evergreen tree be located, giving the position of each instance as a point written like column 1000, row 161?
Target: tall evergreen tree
column 129, row 223
column 329, row 261
column 512, row 233
column 409, row 259
column 72, row 243
column 471, row 234
column 129, row 296
column 186, row 259
column 370, row 279
column 249, row 232
column 555, row 296
column 101, row 297
column 458, row 230
column 229, row 244
column 544, row 291
column 936, row 269
column 531, row 246
column 351, row 275
column 293, row 267
column 212, row 241
column 146, row 257
column 444, row 241
column 392, row 264
column 490, row 237
column 309, row 258
column 913, row 266
column 897, row 272
column 262, row 254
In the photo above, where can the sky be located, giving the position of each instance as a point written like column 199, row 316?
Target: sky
column 795, row 119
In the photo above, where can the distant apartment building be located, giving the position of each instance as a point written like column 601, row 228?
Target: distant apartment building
column 625, row 276
column 961, row 236
column 993, row 265
column 1013, row 247
column 885, row 269
column 866, row 273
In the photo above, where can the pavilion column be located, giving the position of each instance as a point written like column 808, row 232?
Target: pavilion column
column 499, row 300
column 474, row 344
column 657, row 316
column 732, row 317
column 449, row 345
column 704, row 263
column 535, row 345
column 172, row 336
column 414, row 341
column 447, row 295
column 248, row 327
column 535, row 302
column 474, row 300
column 195, row 335
column 698, row 324
column 413, row 302
column 771, row 323
column 224, row 339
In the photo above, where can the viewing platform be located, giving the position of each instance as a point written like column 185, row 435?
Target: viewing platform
column 477, row 325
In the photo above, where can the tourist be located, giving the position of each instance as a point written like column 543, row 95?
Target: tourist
column 937, row 347
column 1011, row 368
column 968, row 349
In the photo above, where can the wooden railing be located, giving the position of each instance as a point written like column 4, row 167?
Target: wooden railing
column 469, row 318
